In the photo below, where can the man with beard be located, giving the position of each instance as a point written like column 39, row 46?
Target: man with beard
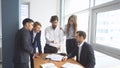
column 53, row 36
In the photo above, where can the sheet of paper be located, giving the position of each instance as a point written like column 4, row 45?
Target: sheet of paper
column 48, row 65
column 71, row 65
column 55, row 57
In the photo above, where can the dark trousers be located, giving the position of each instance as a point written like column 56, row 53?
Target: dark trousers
column 21, row 65
column 71, row 44
column 31, row 61
column 50, row 49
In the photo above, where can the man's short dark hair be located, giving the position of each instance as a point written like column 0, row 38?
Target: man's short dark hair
column 27, row 20
column 53, row 18
column 82, row 33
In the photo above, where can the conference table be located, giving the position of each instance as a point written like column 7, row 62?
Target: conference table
column 42, row 60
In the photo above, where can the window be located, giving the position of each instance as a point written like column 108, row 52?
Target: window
column 72, row 6
column 24, row 13
column 100, row 20
column 98, row 2
column 80, row 8
column 108, row 29
column 82, row 21
column 105, row 30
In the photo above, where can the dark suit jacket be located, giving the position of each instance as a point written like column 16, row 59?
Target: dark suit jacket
column 36, row 42
column 23, row 46
column 87, row 58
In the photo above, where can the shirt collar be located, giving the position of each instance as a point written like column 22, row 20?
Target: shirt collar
column 34, row 32
column 55, row 28
column 80, row 44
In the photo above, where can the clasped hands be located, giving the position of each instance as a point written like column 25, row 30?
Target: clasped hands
column 55, row 43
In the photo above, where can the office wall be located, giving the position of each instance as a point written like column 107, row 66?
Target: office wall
column 10, row 24
column 41, row 10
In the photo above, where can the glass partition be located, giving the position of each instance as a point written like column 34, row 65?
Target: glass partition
column 108, row 28
column 98, row 2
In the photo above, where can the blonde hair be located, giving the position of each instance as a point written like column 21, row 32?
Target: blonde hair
column 74, row 25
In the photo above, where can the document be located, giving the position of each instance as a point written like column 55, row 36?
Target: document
column 71, row 65
column 55, row 57
column 48, row 65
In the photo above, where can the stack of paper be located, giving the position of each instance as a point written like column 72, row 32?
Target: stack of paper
column 55, row 57
column 48, row 65
column 70, row 65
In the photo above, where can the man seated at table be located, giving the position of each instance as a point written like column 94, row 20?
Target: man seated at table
column 84, row 52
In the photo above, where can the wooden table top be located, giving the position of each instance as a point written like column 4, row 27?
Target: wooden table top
column 41, row 60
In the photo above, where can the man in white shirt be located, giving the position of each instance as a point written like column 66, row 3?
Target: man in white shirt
column 53, row 36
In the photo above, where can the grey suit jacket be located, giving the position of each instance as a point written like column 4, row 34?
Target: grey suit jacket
column 23, row 46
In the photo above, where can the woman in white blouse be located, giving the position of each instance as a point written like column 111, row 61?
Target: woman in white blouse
column 70, row 30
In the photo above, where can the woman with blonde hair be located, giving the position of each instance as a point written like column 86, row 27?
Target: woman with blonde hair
column 70, row 30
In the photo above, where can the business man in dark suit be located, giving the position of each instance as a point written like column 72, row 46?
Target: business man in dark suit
column 23, row 45
column 36, row 42
column 84, row 52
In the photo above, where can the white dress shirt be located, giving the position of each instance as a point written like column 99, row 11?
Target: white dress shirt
column 80, row 48
column 55, row 35
column 34, row 34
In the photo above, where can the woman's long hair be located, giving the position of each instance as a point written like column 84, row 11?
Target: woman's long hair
column 74, row 24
